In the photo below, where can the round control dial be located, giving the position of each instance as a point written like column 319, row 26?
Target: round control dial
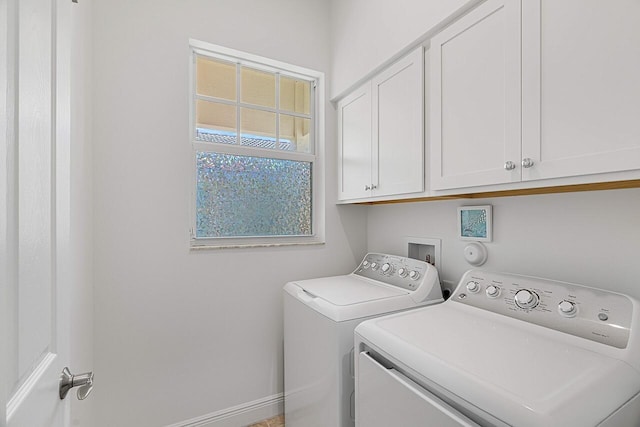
column 403, row 272
column 473, row 287
column 387, row 268
column 526, row 299
column 493, row 291
column 374, row 265
column 365, row 264
column 567, row 308
column 414, row 275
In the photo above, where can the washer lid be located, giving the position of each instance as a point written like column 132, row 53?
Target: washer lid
column 520, row 373
column 342, row 298
column 349, row 289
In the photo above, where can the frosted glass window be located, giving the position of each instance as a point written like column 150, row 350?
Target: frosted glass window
column 254, row 128
column 252, row 196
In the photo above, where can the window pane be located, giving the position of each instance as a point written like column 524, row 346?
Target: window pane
column 257, row 128
column 295, row 95
column 252, row 196
column 294, row 133
column 258, row 88
column 215, row 78
column 215, row 122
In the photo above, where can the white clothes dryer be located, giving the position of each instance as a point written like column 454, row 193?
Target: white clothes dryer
column 319, row 319
column 504, row 350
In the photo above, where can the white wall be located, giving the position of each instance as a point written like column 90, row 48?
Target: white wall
column 586, row 238
column 366, row 33
column 181, row 334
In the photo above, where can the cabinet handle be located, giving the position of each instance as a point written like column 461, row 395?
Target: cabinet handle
column 509, row 165
column 373, row 187
column 527, row 162
column 367, row 188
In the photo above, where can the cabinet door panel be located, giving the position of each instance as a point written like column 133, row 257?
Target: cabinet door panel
column 398, row 127
column 355, row 144
column 581, row 93
column 475, row 100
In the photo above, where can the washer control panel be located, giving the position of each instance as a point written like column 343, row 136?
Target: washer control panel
column 393, row 270
column 589, row 313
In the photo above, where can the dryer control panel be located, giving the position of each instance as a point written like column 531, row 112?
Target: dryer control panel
column 586, row 312
column 406, row 273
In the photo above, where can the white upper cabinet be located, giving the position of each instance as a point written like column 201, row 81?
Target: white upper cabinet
column 475, row 98
column 398, row 126
column 381, row 140
column 536, row 89
column 581, row 87
column 354, row 124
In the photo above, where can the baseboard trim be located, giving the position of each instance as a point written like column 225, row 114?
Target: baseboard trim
column 241, row 415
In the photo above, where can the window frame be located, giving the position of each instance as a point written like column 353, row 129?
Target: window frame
column 315, row 156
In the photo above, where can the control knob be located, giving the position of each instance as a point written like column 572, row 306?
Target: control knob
column 414, row 275
column 473, row 287
column 374, row 265
column 493, row 291
column 365, row 264
column 567, row 308
column 526, row 299
column 402, row 272
column 387, row 268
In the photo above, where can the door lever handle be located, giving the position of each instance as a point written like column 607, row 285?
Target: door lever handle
column 69, row 381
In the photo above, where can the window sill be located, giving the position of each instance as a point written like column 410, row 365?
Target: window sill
column 211, row 246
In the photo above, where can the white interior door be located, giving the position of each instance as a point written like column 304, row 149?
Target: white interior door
column 34, row 213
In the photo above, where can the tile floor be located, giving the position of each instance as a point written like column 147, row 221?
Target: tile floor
column 271, row 422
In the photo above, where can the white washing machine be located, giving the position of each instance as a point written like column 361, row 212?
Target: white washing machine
column 319, row 318
column 504, row 350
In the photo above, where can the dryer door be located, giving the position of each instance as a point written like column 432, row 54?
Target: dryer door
column 385, row 397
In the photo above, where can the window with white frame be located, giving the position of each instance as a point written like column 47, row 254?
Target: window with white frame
column 257, row 139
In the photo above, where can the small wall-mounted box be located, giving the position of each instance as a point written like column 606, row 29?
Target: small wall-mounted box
column 424, row 249
column 429, row 250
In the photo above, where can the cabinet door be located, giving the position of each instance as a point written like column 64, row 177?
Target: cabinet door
column 354, row 127
column 398, row 140
column 581, row 87
column 475, row 98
